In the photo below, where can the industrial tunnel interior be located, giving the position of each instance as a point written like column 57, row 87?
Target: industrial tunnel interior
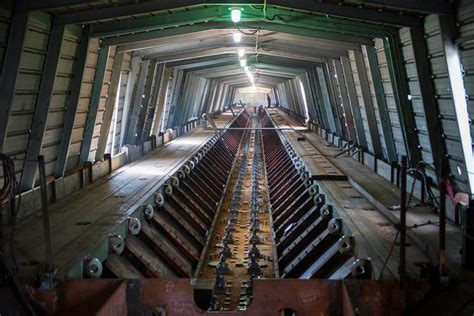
column 264, row 157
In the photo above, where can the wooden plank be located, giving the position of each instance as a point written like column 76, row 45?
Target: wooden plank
column 122, row 268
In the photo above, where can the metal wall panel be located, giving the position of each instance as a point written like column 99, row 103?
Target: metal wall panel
column 374, row 103
column 415, row 95
column 103, row 98
column 4, row 28
column 390, row 98
column 84, row 99
column 465, row 23
column 27, row 85
column 61, row 93
column 444, row 97
column 363, row 113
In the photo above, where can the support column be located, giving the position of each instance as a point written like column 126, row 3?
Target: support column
column 325, row 100
column 341, row 83
column 109, row 106
column 94, row 104
column 382, row 104
column 364, row 85
column 430, row 106
column 400, row 93
column 45, row 92
column 354, row 102
column 11, row 65
column 145, row 102
column 159, row 75
column 137, row 102
column 73, row 101
column 456, row 80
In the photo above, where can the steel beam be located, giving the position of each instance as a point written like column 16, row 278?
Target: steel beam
column 127, row 104
column 354, row 102
column 433, row 6
column 146, row 102
column 341, row 83
column 382, row 104
column 158, row 118
column 349, row 12
column 325, row 98
column 137, row 103
column 109, row 107
column 94, row 104
column 430, row 106
column 157, row 90
column 406, row 116
column 11, row 65
column 45, row 92
column 369, row 108
column 456, row 80
column 72, row 103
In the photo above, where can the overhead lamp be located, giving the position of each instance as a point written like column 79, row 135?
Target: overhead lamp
column 243, row 62
column 241, row 52
column 235, row 15
column 237, row 37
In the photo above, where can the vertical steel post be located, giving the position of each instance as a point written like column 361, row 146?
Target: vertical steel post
column 442, row 218
column 44, row 208
column 402, row 225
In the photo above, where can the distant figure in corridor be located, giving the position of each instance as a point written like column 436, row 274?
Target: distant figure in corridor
column 269, row 100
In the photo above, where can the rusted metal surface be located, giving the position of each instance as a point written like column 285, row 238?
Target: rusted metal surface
column 271, row 297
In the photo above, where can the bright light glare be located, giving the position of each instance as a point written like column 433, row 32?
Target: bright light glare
column 243, row 62
column 237, row 37
column 241, row 52
column 235, row 15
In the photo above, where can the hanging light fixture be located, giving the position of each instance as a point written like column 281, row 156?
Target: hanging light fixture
column 241, row 52
column 235, row 15
column 237, row 37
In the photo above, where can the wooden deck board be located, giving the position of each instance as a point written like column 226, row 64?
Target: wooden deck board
column 383, row 195
column 81, row 220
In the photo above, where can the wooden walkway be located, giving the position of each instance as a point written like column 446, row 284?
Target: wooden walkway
column 80, row 221
column 381, row 195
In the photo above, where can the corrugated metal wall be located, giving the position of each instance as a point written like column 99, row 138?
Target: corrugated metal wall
column 360, row 100
column 445, row 101
column 61, row 93
column 465, row 20
column 390, row 98
column 83, row 106
column 415, row 95
column 27, row 85
column 4, row 28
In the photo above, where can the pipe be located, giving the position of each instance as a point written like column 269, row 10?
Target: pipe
column 442, row 220
column 402, row 225
column 46, row 226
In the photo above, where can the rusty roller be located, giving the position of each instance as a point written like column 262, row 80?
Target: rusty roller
column 334, row 226
column 345, row 246
column 159, row 199
column 325, row 211
column 186, row 169
column 319, row 199
column 93, row 268
column 361, row 269
column 180, row 174
column 134, row 225
column 168, row 189
column 313, row 189
column 116, row 244
column 148, row 211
